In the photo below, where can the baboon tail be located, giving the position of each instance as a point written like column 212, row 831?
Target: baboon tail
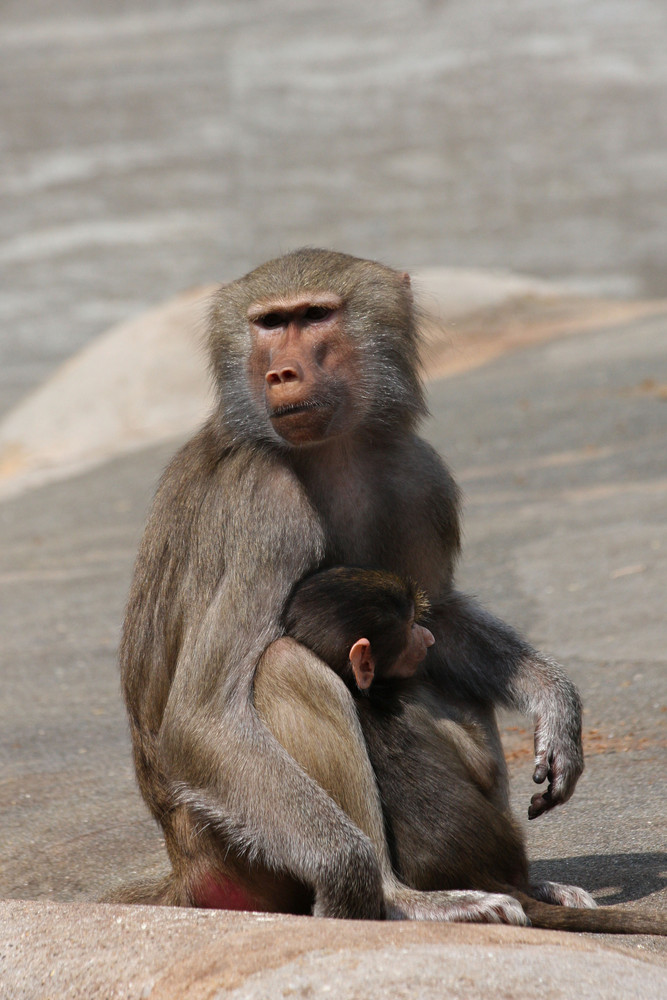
column 603, row 920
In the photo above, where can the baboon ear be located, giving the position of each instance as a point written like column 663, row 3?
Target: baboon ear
column 407, row 285
column 363, row 664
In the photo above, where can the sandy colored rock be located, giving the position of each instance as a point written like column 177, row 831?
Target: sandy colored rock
column 83, row 952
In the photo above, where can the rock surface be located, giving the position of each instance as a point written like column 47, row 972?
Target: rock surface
column 83, row 952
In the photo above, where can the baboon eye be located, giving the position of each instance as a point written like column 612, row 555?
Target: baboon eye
column 270, row 321
column 316, row 313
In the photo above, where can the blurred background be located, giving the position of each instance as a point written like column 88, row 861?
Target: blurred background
column 151, row 145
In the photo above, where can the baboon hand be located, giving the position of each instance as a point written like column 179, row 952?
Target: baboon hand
column 559, row 760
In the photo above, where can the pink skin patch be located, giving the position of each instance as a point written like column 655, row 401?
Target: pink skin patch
column 220, row 893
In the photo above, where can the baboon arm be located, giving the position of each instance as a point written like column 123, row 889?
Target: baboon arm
column 216, row 753
column 478, row 655
column 232, row 774
column 271, row 813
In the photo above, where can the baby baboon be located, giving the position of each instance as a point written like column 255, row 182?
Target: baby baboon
column 368, row 626
column 365, row 624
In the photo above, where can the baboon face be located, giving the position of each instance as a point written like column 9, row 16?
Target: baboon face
column 313, row 346
column 302, row 367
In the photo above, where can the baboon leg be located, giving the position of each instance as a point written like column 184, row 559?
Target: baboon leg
column 311, row 713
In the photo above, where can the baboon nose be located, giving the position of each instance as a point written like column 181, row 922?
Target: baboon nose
column 289, row 372
column 429, row 638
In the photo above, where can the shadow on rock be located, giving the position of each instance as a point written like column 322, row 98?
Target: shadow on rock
column 612, row 878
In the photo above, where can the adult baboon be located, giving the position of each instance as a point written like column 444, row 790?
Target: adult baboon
column 248, row 749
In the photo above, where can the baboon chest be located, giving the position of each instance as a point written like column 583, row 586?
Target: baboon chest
column 373, row 509
column 368, row 525
column 353, row 517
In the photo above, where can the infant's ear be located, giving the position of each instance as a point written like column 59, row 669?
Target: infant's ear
column 363, row 664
